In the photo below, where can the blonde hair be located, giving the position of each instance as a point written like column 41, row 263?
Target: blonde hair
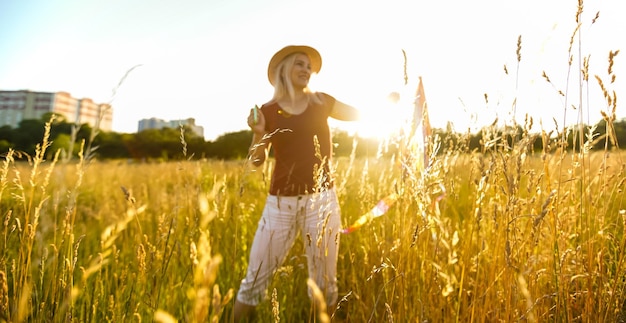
column 282, row 82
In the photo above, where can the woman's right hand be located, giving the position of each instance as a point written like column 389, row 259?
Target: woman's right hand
column 258, row 125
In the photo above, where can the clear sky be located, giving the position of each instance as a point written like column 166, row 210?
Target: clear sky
column 207, row 59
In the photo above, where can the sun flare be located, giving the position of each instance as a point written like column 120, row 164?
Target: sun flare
column 382, row 121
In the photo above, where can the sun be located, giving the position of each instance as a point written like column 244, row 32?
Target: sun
column 381, row 121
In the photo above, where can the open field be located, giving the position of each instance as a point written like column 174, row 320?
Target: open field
column 502, row 235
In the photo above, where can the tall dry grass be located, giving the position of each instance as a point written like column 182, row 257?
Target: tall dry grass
column 516, row 237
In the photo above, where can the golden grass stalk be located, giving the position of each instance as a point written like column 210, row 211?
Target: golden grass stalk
column 275, row 306
column 4, row 297
column 319, row 302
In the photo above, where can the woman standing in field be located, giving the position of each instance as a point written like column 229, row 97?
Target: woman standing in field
column 294, row 123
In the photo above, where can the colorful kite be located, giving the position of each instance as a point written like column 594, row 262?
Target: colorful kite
column 416, row 156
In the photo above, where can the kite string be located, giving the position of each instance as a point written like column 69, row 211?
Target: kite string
column 408, row 157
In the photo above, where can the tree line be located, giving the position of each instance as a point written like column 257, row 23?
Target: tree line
column 176, row 144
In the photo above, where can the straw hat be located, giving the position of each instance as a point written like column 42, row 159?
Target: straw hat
column 314, row 56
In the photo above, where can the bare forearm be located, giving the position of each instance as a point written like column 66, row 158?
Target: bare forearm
column 344, row 112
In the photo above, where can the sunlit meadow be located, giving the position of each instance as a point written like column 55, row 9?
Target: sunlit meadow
column 503, row 233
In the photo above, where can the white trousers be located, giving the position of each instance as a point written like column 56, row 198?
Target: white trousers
column 316, row 217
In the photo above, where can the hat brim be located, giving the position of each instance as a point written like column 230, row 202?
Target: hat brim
column 312, row 53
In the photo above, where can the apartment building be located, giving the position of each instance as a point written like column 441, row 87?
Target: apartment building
column 155, row 123
column 16, row 106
